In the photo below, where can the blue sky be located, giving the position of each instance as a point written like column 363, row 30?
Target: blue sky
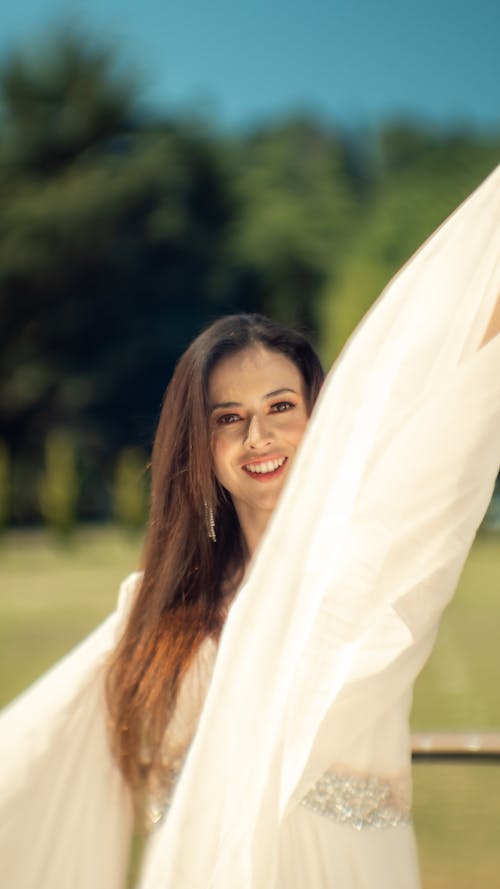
column 353, row 62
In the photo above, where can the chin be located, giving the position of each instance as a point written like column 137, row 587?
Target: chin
column 269, row 502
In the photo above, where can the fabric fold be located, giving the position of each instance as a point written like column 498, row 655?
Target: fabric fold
column 65, row 814
column 338, row 613
column 364, row 549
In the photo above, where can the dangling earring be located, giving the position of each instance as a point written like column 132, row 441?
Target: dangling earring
column 210, row 522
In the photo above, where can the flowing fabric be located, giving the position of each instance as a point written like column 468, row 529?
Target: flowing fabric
column 364, row 550
column 65, row 815
column 337, row 615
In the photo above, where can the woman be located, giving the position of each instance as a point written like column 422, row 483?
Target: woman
column 232, row 419
column 298, row 773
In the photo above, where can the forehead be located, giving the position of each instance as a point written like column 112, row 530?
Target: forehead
column 253, row 371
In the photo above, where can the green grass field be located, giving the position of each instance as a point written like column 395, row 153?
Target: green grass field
column 51, row 597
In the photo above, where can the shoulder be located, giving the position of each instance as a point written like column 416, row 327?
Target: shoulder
column 127, row 592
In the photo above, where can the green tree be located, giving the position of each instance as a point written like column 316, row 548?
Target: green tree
column 112, row 242
column 122, row 235
column 61, row 102
column 5, row 485
column 58, row 489
column 130, row 492
column 297, row 191
column 420, row 178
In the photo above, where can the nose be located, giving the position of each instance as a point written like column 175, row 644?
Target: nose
column 257, row 434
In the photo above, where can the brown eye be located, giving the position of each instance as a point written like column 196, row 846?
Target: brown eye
column 281, row 406
column 227, row 419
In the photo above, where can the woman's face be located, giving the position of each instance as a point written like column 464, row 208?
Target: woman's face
column 258, row 414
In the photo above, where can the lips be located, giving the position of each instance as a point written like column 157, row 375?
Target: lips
column 264, row 470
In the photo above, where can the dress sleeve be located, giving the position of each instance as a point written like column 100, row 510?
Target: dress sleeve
column 65, row 815
column 364, row 549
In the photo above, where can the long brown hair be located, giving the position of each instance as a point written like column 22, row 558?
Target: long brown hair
column 179, row 601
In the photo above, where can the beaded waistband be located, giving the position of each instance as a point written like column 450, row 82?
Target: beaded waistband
column 360, row 800
column 356, row 800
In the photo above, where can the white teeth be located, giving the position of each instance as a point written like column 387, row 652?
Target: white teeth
column 265, row 466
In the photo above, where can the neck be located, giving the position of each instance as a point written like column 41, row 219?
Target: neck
column 253, row 526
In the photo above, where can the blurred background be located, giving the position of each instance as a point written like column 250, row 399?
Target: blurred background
column 161, row 164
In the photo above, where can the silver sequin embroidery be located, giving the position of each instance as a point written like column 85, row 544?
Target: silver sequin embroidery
column 359, row 801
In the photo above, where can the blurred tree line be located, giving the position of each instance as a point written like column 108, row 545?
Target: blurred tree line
column 123, row 233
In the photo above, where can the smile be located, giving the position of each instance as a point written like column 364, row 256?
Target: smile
column 265, row 468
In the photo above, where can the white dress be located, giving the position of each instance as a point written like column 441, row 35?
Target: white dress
column 352, row 828
column 316, row 663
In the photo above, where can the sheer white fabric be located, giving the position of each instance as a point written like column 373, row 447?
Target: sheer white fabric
column 319, row 653
column 363, row 552
column 65, row 816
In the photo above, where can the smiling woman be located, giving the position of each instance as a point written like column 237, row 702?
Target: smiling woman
column 232, row 419
column 276, row 708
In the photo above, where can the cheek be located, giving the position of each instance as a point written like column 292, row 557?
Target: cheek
column 296, row 429
column 220, row 458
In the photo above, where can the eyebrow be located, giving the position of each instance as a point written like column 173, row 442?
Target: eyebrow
column 228, row 404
